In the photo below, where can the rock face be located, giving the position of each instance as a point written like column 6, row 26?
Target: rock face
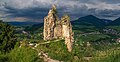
column 56, row 29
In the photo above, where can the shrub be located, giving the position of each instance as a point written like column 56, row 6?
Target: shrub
column 23, row 54
column 3, row 57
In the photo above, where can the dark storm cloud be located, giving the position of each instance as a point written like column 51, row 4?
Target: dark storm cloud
column 37, row 9
column 109, row 13
column 29, row 12
column 111, row 1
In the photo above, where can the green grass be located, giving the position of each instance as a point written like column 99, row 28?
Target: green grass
column 91, row 37
column 114, row 27
column 56, row 50
column 23, row 54
column 84, row 28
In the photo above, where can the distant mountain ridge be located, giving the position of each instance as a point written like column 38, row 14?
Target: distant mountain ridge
column 90, row 20
column 22, row 23
column 106, row 21
column 115, row 22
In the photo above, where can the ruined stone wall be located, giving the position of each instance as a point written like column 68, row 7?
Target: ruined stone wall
column 55, row 28
column 58, row 31
column 67, row 32
column 49, row 24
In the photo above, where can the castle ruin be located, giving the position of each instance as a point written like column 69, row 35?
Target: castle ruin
column 54, row 28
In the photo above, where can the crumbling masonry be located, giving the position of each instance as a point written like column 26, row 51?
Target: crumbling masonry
column 56, row 29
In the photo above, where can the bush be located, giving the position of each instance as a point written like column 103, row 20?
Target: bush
column 3, row 57
column 23, row 54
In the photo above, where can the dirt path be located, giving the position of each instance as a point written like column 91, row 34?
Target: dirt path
column 45, row 56
column 47, row 42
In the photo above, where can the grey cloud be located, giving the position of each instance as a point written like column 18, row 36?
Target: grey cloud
column 111, row 1
column 109, row 13
column 37, row 9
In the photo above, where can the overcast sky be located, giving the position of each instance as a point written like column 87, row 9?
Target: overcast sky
column 35, row 10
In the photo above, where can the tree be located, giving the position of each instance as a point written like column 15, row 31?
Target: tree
column 7, row 37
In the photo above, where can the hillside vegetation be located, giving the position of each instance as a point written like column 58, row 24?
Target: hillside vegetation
column 95, row 41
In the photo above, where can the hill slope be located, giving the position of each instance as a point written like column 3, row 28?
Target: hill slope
column 115, row 22
column 89, row 20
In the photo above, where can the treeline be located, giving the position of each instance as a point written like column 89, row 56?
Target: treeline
column 9, row 47
column 7, row 37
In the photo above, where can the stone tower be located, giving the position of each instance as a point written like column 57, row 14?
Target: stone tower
column 56, row 29
column 50, row 23
column 67, row 32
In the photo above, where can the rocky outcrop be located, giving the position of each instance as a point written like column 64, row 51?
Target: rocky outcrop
column 56, row 29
